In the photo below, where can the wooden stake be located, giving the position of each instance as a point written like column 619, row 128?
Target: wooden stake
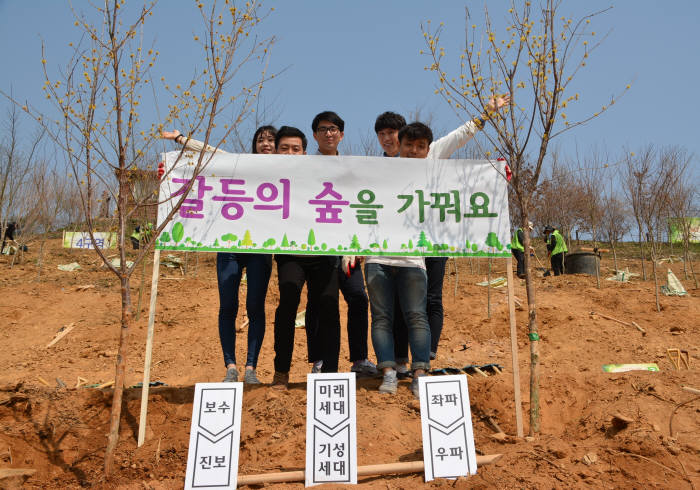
column 619, row 321
column 477, row 370
column 514, row 348
column 639, row 328
column 149, row 349
column 691, row 390
column 61, row 334
column 376, row 469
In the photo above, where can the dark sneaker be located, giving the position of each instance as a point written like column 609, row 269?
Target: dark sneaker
column 414, row 385
column 250, row 378
column 280, row 381
column 404, row 373
column 433, row 355
column 318, row 365
column 231, row 375
column 364, row 369
column 390, row 383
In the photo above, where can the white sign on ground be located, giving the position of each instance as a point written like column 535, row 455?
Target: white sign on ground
column 212, row 459
column 331, row 429
column 322, row 205
column 446, row 420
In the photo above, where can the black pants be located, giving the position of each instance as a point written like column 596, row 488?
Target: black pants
column 435, row 269
column 557, row 261
column 520, row 259
column 353, row 289
column 321, row 277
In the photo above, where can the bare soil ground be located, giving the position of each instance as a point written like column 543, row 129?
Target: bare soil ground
column 61, row 431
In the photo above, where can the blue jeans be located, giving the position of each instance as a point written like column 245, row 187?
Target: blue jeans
column 409, row 285
column 229, row 269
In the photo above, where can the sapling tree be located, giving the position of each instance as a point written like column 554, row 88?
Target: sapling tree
column 638, row 169
column 16, row 161
column 99, row 94
column 683, row 196
column 558, row 200
column 535, row 58
column 615, row 222
column 668, row 168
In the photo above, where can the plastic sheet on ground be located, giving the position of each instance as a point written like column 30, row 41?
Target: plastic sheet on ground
column 622, row 276
column 673, row 286
column 116, row 263
column 73, row 266
column 300, row 321
column 623, row 368
column 498, row 282
column 171, row 261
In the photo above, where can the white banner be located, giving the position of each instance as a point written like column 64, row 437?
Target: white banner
column 340, row 205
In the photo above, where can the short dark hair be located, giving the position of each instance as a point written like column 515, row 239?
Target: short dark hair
column 290, row 132
column 389, row 120
column 416, row 131
column 329, row 116
column 263, row 129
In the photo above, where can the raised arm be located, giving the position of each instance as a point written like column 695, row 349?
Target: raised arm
column 190, row 144
column 451, row 142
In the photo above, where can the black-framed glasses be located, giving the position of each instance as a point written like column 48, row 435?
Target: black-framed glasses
column 332, row 130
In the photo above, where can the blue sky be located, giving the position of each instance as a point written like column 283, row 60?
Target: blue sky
column 360, row 58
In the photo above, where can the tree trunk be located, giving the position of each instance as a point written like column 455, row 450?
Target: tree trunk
column 612, row 245
column 40, row 260
column 488, row 292
column 653, row 269
column 532, row 335
column 692, row 271
column 685, row 260
column 120, row 374
column 641, row 256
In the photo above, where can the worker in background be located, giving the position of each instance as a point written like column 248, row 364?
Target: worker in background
column 556, row 248
column 518, row 249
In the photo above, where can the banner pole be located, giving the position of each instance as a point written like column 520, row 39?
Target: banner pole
column 149, row 349
column 514, row 348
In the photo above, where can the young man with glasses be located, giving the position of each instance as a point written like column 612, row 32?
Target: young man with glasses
column 321, row 276
column 328, row 130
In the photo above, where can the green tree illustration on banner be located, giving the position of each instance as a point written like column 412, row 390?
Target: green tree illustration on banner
column 247, row 241
column 228, row 238
column 423, row 241
column 492, row 241
column 311, row 239
column 178, row 232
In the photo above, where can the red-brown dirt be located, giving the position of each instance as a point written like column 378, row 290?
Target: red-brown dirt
column 61, row 431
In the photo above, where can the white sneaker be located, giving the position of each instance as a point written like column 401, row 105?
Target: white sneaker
column 389, row 383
